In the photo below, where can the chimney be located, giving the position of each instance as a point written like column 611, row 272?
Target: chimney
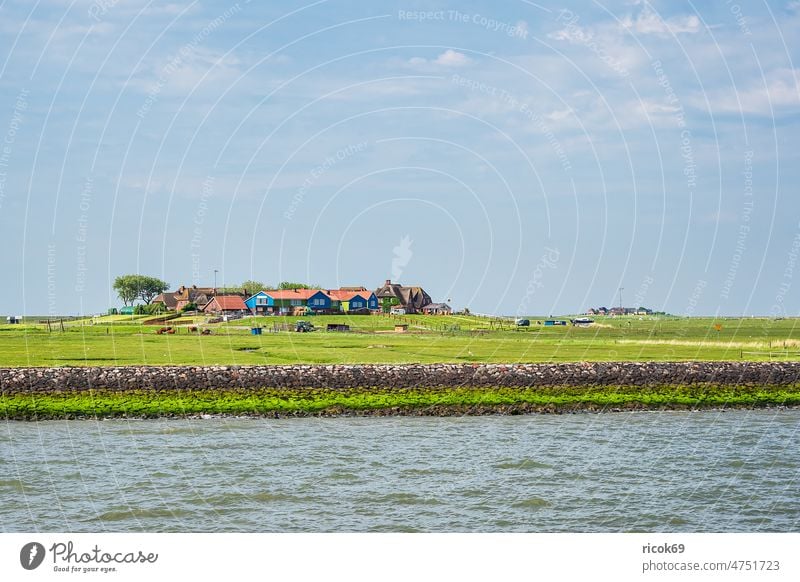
column 388, row 282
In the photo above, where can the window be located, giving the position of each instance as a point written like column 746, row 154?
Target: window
column 261, row 300
column 296, row 302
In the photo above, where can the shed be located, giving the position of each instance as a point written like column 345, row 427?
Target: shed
column 401, row 327
column 338, row 327
column 437, row 309
column 555, row 322
column 14, row 319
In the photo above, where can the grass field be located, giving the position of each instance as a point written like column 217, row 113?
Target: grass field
column 124, row 340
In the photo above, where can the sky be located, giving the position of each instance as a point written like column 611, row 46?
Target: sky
column 513, row 158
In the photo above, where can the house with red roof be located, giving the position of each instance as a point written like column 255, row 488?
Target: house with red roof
column 224, row 304
column 285, row 301
column 354, row 300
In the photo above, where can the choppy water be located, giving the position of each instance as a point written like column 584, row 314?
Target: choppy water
column 664, row 471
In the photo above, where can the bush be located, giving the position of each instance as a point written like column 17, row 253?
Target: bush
column 189, row 307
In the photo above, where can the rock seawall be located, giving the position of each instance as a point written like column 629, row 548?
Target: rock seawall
column 386, row 376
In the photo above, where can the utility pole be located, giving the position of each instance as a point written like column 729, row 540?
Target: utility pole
column 215, row 280
column 621, row 308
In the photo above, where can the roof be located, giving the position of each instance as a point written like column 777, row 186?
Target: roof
column 168, row 299
column 294, row 293
column 346, row 295
column 415, row 297
column 228, row 302
column 437, row 306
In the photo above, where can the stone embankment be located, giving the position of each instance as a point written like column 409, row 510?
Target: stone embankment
column 387, row 376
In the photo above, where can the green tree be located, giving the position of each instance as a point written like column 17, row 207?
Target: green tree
column 127, row 288
column 253, row 287
column 132, row 287
column 290, row 285
column 149, row 287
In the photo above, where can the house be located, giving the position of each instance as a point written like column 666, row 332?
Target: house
column 225, row 304
column 411, row 299
column 258, row 303
column 437, row 309
column 354, row 300
column 286, row 301
column 168, row 300
column 622, row 311
column 177, row 300
column 597, row 311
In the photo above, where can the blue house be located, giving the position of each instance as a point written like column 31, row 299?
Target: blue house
column 354, row 300
column 288, row 300
column 258, row 303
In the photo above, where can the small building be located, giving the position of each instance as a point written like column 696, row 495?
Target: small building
column 338, row 327
column 401, row 328
column 437, row 309
column 14, row 319
column 225, row 304
column 549, row 322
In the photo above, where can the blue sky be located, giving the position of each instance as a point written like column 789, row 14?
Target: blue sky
column 521, row 158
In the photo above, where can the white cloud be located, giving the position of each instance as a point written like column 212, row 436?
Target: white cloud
column 656, row 108
column 648, row 21
column 777, row 92
column 451, row 58
column 448, row 59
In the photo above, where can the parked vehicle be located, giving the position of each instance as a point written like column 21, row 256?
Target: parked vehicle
column 303, row 326
column 523, row 322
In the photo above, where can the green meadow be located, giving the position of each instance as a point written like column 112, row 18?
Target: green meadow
column 126, row 340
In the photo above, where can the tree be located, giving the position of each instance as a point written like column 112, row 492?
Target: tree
column 290, row 285
column 132, row 287
column 126, row 288
column 253, row 286
column 149, row 287
column 250, row 287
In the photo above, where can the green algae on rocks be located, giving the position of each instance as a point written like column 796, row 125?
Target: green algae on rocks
column 376, row 401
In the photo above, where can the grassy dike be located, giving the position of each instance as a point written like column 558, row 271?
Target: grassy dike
column 378, row 402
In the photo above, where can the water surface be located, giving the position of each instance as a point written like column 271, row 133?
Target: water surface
column 659, row 471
